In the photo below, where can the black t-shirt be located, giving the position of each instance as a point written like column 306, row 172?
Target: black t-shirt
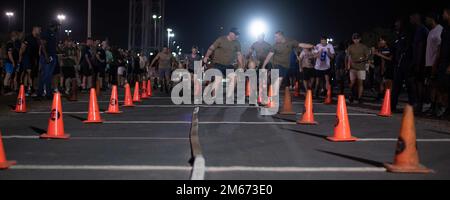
column 13, row 47
column 85, row 51
column 102, row 55
column 32, row 46
column 444, row 58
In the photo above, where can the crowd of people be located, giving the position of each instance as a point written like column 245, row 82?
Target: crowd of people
column 416, row 59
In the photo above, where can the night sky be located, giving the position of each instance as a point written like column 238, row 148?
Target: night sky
column 199, row 21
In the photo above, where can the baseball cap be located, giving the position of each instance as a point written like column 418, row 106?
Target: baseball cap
column 356, row 36
column 235, row 31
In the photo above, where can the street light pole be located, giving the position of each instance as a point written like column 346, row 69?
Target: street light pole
column 89, row 28
column 24, row 15
column 169, row 32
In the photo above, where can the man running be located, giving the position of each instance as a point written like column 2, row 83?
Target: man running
column 358, row 55
column 30, row 59
column 225, row 49
column 280, row 53
column 165, row 61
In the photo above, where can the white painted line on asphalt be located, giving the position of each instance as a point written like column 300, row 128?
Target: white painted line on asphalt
column 102, row 167
column 146, row 122
column 63, row 113
column 395, row 140
column 100, row 138
column 294, row 169
column 194, row 106
column 186, row 122
column 199, row 169
column 349, row 114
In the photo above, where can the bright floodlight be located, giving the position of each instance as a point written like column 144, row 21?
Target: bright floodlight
column 169, row 30
column 9, row 14
column 154, row 16
column 257, row 28
column 61, row 17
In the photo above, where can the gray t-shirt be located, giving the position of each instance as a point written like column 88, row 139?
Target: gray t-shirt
column 225, row 50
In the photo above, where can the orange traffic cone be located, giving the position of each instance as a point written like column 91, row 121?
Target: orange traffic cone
column 329, row 99
column 342, row 131
column 114, row 102
column 308, row 114
column 270, row 103
column 74, row 92
column 247, row 88
column 287, row 106
column 386, row 109
column 137, row 95
column 4, row 164
column 55, row 122
column 407, row 158
column 94, row 112
column 149, row 88
column 297, row 89
column 21, row 106
column 128, row 99
column 144, row 90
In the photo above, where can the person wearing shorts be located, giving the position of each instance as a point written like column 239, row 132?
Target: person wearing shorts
column 11, row 62
column 306, row 60
column 165, row 60
column 281, row 52
column 30, row 59
column 226, row 49
column 324, row 52
column 358, row 54
column 86, row 69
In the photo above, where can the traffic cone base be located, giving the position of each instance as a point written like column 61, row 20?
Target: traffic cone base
column 98, row 121
column 129, row 106
column 108, row 112
column 384, row 115
column 307, row 123
column 288, row 113
column 334, row 139
column 46, row 136
column 419, row 169
column 7, row 164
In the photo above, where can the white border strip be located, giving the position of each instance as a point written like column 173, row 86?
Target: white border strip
column 100, row 138
column 294, row 169
column 102, row 167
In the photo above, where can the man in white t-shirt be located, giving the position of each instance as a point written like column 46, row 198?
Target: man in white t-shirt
column 323, row 52
column 431, row 58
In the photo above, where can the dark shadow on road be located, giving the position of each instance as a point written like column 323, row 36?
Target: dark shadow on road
column 439, row 132
column 78, row 118
column 357, row 159
column 38, row 130
column 306, row 133
column 283, row 119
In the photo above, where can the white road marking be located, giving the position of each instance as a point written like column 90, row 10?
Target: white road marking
column 187, row 122
column 102, row 167
column 349, row 114
column 294, row 169
column 63, row 112
column 100, row 138
column 188, row 168
column 395, row 140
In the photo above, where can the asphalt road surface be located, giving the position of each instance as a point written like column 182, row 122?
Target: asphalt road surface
column 153, row 141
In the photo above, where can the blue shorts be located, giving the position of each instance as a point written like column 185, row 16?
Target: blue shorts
column 223, row 68
column 164, row 73
column 283, row 71
column 26, row 64
column 9, row 68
